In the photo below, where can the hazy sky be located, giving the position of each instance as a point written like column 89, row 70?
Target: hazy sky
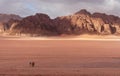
column 58, row 7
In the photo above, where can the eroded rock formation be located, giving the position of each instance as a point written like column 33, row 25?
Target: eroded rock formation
column 6, row 19
column 79, row 23
column 85, row 22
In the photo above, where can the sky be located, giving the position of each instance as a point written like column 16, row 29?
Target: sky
column 56, row 8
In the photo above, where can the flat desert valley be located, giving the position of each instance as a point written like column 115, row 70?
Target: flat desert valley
column 59, row 58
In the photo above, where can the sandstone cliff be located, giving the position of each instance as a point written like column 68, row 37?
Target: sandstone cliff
column 79, row 23
column 85, row 22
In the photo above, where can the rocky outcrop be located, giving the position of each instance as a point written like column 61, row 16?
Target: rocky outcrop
column 38, row 25
column 85, row 22
column 5, row 21
column 79, row 23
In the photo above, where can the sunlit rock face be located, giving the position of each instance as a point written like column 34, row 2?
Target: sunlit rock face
column 82, row 22
column 85, row 22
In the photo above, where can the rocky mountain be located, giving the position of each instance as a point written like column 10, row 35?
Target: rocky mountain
column 5, row 18
column 38, row 25
column 79, row 23
column 85, row 22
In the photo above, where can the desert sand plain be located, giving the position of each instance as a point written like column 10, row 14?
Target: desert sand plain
column 59, row 57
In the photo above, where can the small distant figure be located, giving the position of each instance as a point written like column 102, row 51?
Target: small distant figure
column 32, row 64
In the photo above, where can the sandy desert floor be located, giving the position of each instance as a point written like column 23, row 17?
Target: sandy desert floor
column 59, row 58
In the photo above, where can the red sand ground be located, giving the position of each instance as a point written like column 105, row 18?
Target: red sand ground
column 59, row 57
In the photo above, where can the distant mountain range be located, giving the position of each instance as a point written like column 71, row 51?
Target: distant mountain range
column 82, row 22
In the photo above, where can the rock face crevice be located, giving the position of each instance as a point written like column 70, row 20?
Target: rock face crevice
column 82, row 22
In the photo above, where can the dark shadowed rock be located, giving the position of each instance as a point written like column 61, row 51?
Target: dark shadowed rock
column 39, row 24
column 83, row 11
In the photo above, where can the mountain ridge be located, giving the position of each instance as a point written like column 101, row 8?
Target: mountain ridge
column 81, row 22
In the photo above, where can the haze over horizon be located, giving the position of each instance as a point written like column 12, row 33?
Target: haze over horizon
column 56, row 8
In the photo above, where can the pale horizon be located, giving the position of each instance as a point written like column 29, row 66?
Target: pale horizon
column 55, row 8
